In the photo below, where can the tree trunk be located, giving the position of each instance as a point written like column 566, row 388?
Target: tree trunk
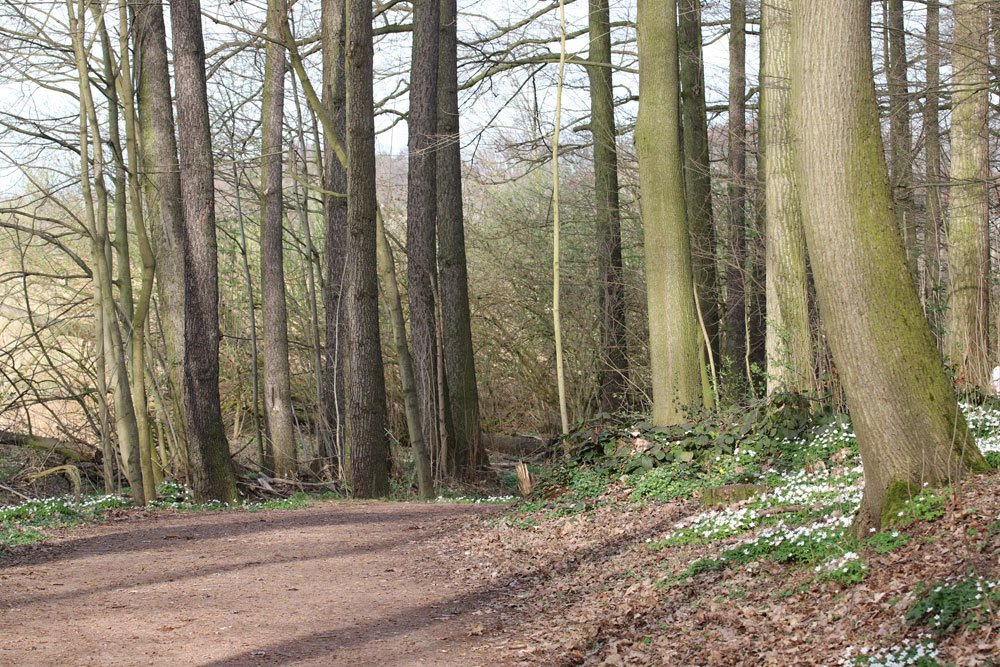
column 789, row 337
column 613, row 373
column 697, row 173
column 277, row 381
column 467, row 455
column 933, row 204
column 900, row 141
column 211, row 466
column 902, row 404
column 421, row 213
column 162, row 190
column 335, row 231
column 673, row 329
column 735, row 350
column 967, row 338
column 366, row 391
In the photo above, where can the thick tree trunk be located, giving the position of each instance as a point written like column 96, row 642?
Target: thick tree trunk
column 277, row 381
column 967, row 337
column 902, row 404
column 211, row 466
column 466, row 455
column 421, row 214
column 933, row 205
column 900, row 141
column 335, row 232
column 613, row 373
column 162, row 190
column 366, row 391
column 789, row 338
column 735, row 350
column 674, row 339
column 697, row 171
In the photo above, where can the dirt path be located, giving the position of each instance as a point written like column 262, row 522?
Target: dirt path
column 336, row 584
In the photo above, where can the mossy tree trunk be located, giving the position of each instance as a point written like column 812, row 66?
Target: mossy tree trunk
column 910, row 429
column 673, row 328
column 967, row 327
column 900, row 139
column 789, row 337
column 933, row 205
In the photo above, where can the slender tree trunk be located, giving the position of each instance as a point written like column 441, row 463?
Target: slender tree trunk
column 277, row 381
column 366, row 391
column 456, row 320
column 613, row 373
column 212, row 475
column 900, row 140
column 735, row 350
column 902, row 404
column 789, row 338
column 162, row 190
column 967, row 338
column 933, row 176
column 335, row 228
column 697, row 173
column 421, row 215
column 674, row 338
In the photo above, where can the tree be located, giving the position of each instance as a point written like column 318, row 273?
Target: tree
column 789, row 339
column 902, row 404
column 613, row 373
column 736, row 337
column 366, row 391
column 212, row 475
column 277, row 381
column 421, row 226
column 967, row 327
column 933, row 205
column 900, row 141
column 673, row 329
column 697, row 174
column 465, row 454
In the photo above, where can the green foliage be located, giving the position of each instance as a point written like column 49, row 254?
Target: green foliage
column 903, row 508
column 19, row 524
column 948, row 606
column 886, row 541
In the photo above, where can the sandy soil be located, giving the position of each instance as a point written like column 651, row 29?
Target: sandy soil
column 335, row 584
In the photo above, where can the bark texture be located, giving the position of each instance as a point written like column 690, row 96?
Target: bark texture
column 910, row 429
column 933, row 205
column 789, row 339
column 900, row 141
column 613, row 373
column 967, row 329
column 673, row 329
column 211, row 466
column 465, row 454
column 366, row 390
column 277, row 380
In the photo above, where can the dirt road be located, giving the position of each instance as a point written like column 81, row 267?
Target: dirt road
column 335, row 584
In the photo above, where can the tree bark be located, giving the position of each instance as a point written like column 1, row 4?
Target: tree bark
column 421, row 224
column 673, row 329
column 789, row 337
column 900, row 141
column 335, row 231
column 967, row 337
column 735, row 350
column 212, row 475
column 910, row 429
column 697, row 172
column 933, row 204
column 613, row 373
column 466, row 455
column 366, row 391
column 277, row 381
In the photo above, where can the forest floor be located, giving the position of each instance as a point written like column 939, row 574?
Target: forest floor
column 339, row 583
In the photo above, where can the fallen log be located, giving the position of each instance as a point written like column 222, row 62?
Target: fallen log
column 75, row 452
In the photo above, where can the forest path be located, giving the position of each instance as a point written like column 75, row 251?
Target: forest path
column 339, row 583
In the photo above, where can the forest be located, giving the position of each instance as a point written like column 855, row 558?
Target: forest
column 662, row 332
